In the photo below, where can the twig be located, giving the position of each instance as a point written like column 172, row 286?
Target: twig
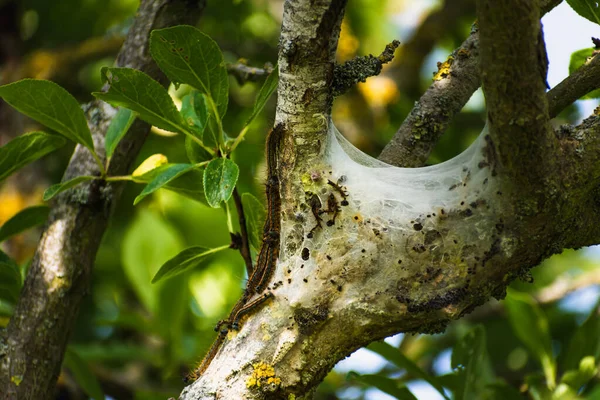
column 359, row 69
column 244, row 73
column 245, row 247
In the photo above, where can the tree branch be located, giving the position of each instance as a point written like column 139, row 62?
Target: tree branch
column 575, row 86
column 244, row 73
column 59, row 277
column 450, row 91
column 358, row 69
column 437, row 25
column 513, row 69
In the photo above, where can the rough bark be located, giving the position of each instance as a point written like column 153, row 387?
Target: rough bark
column 522, row 196
column 454, row 84
column 32, row 348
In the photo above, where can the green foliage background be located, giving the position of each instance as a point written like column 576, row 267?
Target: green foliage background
column 136, row 339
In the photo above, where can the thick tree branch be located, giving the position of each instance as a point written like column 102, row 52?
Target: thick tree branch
column 513, row 78
column 59, row 277
column 453, row 86
column 436, row 26
column 576, row 85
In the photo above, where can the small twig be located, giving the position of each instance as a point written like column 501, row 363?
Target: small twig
column 244, row 73
column 245, row 247
column 576, row 85
column 359, row 69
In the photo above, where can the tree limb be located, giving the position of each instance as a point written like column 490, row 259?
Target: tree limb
column 575, row 86
column 450, row 91
column 59, row 277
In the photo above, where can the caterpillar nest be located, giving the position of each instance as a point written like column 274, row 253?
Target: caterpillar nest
column 413, row 234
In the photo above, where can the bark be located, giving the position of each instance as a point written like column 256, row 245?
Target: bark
column 32, row 348
column 524, row 194
column 453, row 85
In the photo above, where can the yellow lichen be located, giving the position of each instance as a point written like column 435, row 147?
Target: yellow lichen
column 443, row 69
column 263, row 374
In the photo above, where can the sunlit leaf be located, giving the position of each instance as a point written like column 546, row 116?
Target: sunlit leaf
column 162, row 179
column 50, row 105
column 26, row 148
column 396, row 357
column 138, row 92
column 579, row 377
column 182, row 262
column 61, row 187
column 83, row 375
column 25, row 219
column 531, row 327
column 220, row 178
column 586, row 8
column 255, row 218
column 118, row 127
column 187, row 55
column 149, row 164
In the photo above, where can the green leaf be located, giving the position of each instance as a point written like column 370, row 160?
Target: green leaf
column 83, row 375
column 187, row 259
column 25, row 219
column 188, row 184
column 118, row 127
column 386, row 385
column 194, row 111
column 502, row 391
column 196, row 153
column 471, row 359
column 587, row 9
column 164, row 177
column 138, row 92
column 394, row 355
column 50, row 105
column 531, row 327
column 579, row 377
column 220, row 178
column 255, row 218
column 61, row 187
column 578, row 58
column 265, row 93
column 584, row 341
column 26, row 148
column 148, row 243
column 10, row 279
column 187, row 55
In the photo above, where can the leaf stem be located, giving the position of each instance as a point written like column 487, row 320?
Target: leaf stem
column 99, row 162
column 229, row 219
column 239, row 138
column 119, row 178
